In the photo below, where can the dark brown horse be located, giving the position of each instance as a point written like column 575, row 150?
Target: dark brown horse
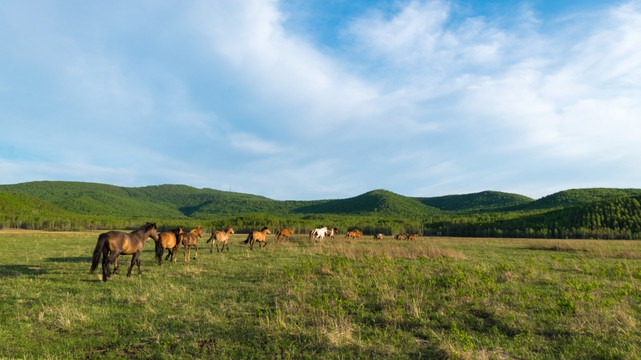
column 112, row 244
column 257, row 236
column 168, row 240
column 219, row 237
column 191, row 239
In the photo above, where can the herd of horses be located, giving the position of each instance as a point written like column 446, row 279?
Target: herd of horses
column 112, row 244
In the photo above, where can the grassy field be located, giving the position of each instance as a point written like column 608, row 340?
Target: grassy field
column 432, row 298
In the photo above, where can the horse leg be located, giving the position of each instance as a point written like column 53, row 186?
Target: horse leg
column 196, row 254
column 159, row 252
column 112, row 258
column 134, row 257
column 217, row 249
column 174, row 253
column 185, row 256
column 105, row 264
column 226, row 244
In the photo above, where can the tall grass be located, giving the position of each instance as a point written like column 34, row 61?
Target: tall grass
column 433, row 298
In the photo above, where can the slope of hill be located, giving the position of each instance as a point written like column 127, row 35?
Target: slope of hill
column 381, row 202
column 93, row 199
column 12, row 205
column 574, row 197
column 482, row 201
column 616, row 217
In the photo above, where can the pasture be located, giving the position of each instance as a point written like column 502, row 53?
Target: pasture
column 342, row 298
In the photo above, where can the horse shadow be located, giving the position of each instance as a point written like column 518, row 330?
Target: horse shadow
column 70, row 259
column 7, row 271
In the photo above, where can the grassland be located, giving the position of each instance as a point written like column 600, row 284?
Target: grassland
column 434, row 298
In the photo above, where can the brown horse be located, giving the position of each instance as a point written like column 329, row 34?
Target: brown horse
column 114, row 243
column 284, row 233
column 354, row 234
column 413, row 236
column 257, row 236
column 220, row 237
column 379, row 236
column 168, row 240
column 190, row 239
column 400, row 237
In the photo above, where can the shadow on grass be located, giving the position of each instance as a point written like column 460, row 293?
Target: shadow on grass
column 19, row 270
column 70, row 259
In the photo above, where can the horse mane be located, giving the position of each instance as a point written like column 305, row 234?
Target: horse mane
column 148, row 226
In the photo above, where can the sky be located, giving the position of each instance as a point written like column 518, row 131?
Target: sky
column 323, row 99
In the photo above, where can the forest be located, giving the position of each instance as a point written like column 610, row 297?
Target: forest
column 594, row 213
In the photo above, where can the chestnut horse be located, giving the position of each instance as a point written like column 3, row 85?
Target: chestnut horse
column 257, row 236
column 220, row 237
column 354, row 234
column 168, row 240
column 190, row 239
column 114, row 243
column 284, row 233
column 413, row 236
column 400, row 237
column 379, row 236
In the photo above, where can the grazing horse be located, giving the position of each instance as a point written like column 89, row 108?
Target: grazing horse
column 284, row 233
column 168, row 240
column 257, row 236
column 219, row 237
column 114, row 243
column 318, row 233
column 379, row 236
column 354, row 234
column 191, row 239
column 413, row 236
column 400, row 237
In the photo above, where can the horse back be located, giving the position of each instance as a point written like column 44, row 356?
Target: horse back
column 118, row 240
column 167, row 239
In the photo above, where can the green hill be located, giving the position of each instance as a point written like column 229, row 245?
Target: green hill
column 616, row 217
column 574, row 197
column 379, row 202
column 16, row 205
column 597, row 212
column 94, row 199
column 482, row 201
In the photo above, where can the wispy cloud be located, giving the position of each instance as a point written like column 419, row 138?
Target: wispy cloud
column 422, row 98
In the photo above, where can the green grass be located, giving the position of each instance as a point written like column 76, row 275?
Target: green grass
column 433, row 298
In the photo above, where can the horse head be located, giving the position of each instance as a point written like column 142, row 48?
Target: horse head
column 152, row 230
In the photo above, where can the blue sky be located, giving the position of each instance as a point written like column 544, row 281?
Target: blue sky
column 300, row 99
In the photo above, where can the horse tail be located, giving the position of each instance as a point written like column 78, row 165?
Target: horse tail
column 102, row 240
column 159, row 250
column 249, row 236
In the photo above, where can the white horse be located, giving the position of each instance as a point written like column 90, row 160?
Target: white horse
column 318, row 233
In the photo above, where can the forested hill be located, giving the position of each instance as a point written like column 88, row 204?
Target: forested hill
column 570, row 213
column 483, row 201
column 614, row 218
